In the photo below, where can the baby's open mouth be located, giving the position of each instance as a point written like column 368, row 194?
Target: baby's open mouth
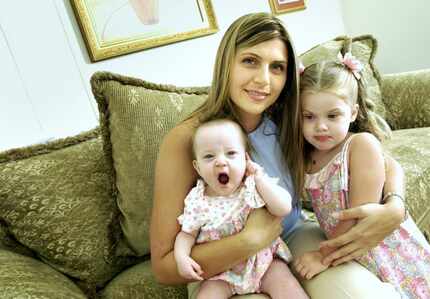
column 223, row 178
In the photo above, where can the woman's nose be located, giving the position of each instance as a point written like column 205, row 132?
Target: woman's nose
column 262, row 76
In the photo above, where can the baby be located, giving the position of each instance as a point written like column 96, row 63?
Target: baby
column 231, row 185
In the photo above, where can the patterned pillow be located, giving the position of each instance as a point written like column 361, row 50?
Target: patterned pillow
column 134, row 117
column 24, row 277
column 56, row 200
column 364, row 48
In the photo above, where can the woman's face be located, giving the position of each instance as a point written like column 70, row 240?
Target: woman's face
column 258, row 75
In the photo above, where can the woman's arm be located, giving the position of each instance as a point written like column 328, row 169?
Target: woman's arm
column 374, row 221
column 174, row 177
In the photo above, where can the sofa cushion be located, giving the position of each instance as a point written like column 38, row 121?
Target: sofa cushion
column 364, row 49
column 139, row 282
column 56, row 200
column 411, row 148
column 134, row 117
column 25, row 277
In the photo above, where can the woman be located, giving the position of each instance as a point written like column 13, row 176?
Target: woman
column 255, row 84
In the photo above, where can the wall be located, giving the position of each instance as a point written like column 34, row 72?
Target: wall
column 45, row 69
column 402, row 29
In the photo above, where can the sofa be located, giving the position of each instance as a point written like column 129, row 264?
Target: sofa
column 75, row 212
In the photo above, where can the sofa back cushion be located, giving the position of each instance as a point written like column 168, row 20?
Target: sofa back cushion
column 134, row 117
column 56, row 200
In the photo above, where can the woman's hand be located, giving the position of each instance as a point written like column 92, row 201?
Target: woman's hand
column 262, row 228
column 374, row 223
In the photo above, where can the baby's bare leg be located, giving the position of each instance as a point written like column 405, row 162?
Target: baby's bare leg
column 214, row 289
column 279, row 282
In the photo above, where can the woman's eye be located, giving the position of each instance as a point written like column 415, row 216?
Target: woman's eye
column 279, row 68
column 249, row 60
column 308, row 116
column 332, row 116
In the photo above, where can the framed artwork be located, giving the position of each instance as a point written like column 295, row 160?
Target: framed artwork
column 116, row 27
column 283, row 6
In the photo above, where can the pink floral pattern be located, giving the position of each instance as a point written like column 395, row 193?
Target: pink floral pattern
column 218, row 217
column 402, row 259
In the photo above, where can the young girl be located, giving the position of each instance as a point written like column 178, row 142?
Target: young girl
column 346, row 169
column 231, row 185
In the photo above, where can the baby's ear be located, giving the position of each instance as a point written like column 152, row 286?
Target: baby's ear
column 196, row 166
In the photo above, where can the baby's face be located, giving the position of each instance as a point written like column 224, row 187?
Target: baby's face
column 220, row 158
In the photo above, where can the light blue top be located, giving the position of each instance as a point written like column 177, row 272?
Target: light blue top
column 267, row 153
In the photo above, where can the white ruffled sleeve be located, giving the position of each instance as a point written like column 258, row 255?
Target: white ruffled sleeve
column 195, row 209
column 250, row 193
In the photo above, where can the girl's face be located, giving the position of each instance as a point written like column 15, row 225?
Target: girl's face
column 326, row 119
column 258, row 75
column 220, row 158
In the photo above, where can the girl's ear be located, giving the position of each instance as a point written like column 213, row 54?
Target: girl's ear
column 196, row 166
column 354, row 112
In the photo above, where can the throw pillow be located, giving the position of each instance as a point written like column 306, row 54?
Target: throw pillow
column 134, row 117
column 55, row 199
column 364, row 49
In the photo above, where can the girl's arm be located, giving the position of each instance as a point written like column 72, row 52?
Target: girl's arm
column 366, row 180
column 374, row 221
column 174, row 178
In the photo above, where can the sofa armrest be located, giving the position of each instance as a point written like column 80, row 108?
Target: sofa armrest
column 406, row 97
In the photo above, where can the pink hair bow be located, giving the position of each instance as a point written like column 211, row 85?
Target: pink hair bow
column 352, row 63
column 301, row 68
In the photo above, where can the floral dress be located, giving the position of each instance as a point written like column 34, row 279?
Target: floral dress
column 217, row 217
column 402, row 258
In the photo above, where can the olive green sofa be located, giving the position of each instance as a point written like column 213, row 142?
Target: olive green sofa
column 75, row 213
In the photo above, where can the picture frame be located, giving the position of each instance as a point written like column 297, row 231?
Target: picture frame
column 284, row 6
column 111, row 28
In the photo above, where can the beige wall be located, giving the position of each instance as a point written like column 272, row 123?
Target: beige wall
column 401, row 27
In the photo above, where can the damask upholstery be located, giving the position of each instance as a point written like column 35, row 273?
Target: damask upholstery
column 134, row 117
column 70, row 209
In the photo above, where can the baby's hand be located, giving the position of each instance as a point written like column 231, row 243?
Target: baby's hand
column 188, row 268
column 309, row 264
column 253, row 168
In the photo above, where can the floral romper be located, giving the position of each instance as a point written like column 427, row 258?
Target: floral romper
column 402, row 258
column 221, row 216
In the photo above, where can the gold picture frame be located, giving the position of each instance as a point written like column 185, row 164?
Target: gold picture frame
column 283, row 6
column 112, row 28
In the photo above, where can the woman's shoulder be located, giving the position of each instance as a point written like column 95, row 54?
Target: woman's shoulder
column 180, row 135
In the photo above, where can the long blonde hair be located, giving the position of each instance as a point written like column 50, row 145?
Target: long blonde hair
column 248, row 31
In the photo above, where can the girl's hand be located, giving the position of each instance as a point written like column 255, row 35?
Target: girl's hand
column 252, row 168
column 309, row 264
column 374, row 223
column 189, row 268
column 261, row 228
